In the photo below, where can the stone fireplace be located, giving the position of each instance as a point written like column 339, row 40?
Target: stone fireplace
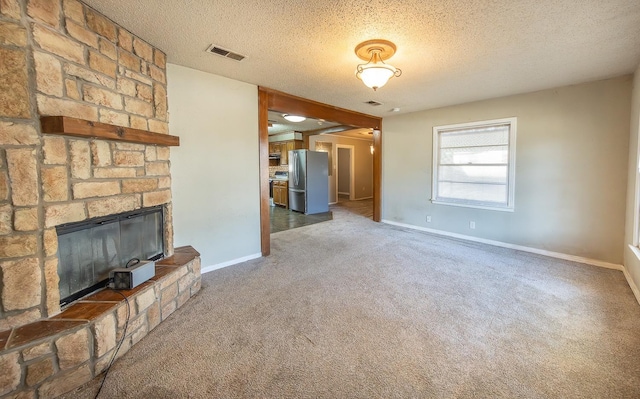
column 61, row 57
column 107, row 153
column 89, row 250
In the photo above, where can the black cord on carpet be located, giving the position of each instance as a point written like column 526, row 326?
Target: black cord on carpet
column 115, row 352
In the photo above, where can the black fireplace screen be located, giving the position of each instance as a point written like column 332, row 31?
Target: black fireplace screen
column 88, row 250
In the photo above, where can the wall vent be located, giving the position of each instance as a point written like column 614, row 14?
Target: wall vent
column 373, row 103
column 213, row 49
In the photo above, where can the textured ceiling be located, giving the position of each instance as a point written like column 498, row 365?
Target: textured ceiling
column 281, row 125
column 450, row 51
column 315, row 126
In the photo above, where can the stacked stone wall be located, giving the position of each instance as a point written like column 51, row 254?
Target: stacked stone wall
column 62, row 58
column 48, row 358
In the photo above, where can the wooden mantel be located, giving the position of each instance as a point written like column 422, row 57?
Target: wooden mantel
column 82, row 128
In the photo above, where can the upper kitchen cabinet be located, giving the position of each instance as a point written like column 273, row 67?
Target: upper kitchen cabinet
column 285, row 147
column 295, row 145
column 284, row 154
column 274, row 148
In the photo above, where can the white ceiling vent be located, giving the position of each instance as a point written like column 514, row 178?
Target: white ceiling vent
column 373, row 103
column 213, row 49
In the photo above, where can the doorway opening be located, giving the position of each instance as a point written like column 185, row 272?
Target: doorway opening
column 345, row 172
column 274, row 101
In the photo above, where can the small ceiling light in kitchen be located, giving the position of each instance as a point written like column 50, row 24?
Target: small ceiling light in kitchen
column 367, row 132
column 376, row 73
column 293, row 118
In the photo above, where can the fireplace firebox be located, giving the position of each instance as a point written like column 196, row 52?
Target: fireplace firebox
column 89, row 250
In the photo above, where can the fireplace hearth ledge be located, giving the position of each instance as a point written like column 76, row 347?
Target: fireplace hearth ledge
column 59, row 354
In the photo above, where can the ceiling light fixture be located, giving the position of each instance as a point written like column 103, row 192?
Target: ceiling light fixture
column 375, row 73
column 293, row 118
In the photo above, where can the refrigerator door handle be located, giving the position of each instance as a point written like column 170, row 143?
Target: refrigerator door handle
column 293, row 161
column 297, row 167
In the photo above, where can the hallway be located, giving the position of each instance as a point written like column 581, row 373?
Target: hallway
column 358, row 207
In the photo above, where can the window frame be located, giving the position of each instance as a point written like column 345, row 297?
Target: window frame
column 511, row 165
column 635, row 244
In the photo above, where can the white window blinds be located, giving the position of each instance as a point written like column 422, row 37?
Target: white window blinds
column 473, row 164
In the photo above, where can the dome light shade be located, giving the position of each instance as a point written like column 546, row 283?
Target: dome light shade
column 375, row 76
column 376, row 73
column 294, row 118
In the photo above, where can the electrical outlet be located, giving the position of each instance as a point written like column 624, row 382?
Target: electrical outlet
column 428, row 218
column 472, row 225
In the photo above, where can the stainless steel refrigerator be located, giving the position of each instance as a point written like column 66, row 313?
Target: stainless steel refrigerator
column 308, row 181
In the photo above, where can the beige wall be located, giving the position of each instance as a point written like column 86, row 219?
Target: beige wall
column 571, row 170
column 343, row 160
column 631, row 260
column 363, row 167
column 216, row 167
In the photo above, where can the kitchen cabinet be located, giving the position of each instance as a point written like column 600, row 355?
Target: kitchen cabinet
column 287, row 146
column 283, row 148
column 277, row 196
column 294, row 145
column 281, row 193
column 284, row 154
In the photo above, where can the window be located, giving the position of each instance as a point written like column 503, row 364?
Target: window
column 474, row 164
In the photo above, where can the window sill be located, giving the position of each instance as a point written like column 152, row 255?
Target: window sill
column 635, row 250
column 488, row 208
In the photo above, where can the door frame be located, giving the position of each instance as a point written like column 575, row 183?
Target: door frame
column 274, row 100
column 352, row 167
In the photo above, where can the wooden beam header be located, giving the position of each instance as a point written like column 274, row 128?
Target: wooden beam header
column 283, row 102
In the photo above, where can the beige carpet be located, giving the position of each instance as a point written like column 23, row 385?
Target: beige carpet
column 350, row 308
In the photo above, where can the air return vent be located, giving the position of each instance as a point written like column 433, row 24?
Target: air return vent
column 213, row 49
column 373, row 103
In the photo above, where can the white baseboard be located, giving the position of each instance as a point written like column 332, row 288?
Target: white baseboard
column 363, row 198
column 558, row 255
column 632, row 284
column 230, row 263
column 333, row 203
column 340, row 192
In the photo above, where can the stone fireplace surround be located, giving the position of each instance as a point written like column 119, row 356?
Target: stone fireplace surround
column 62, row 58
column 49, row 357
